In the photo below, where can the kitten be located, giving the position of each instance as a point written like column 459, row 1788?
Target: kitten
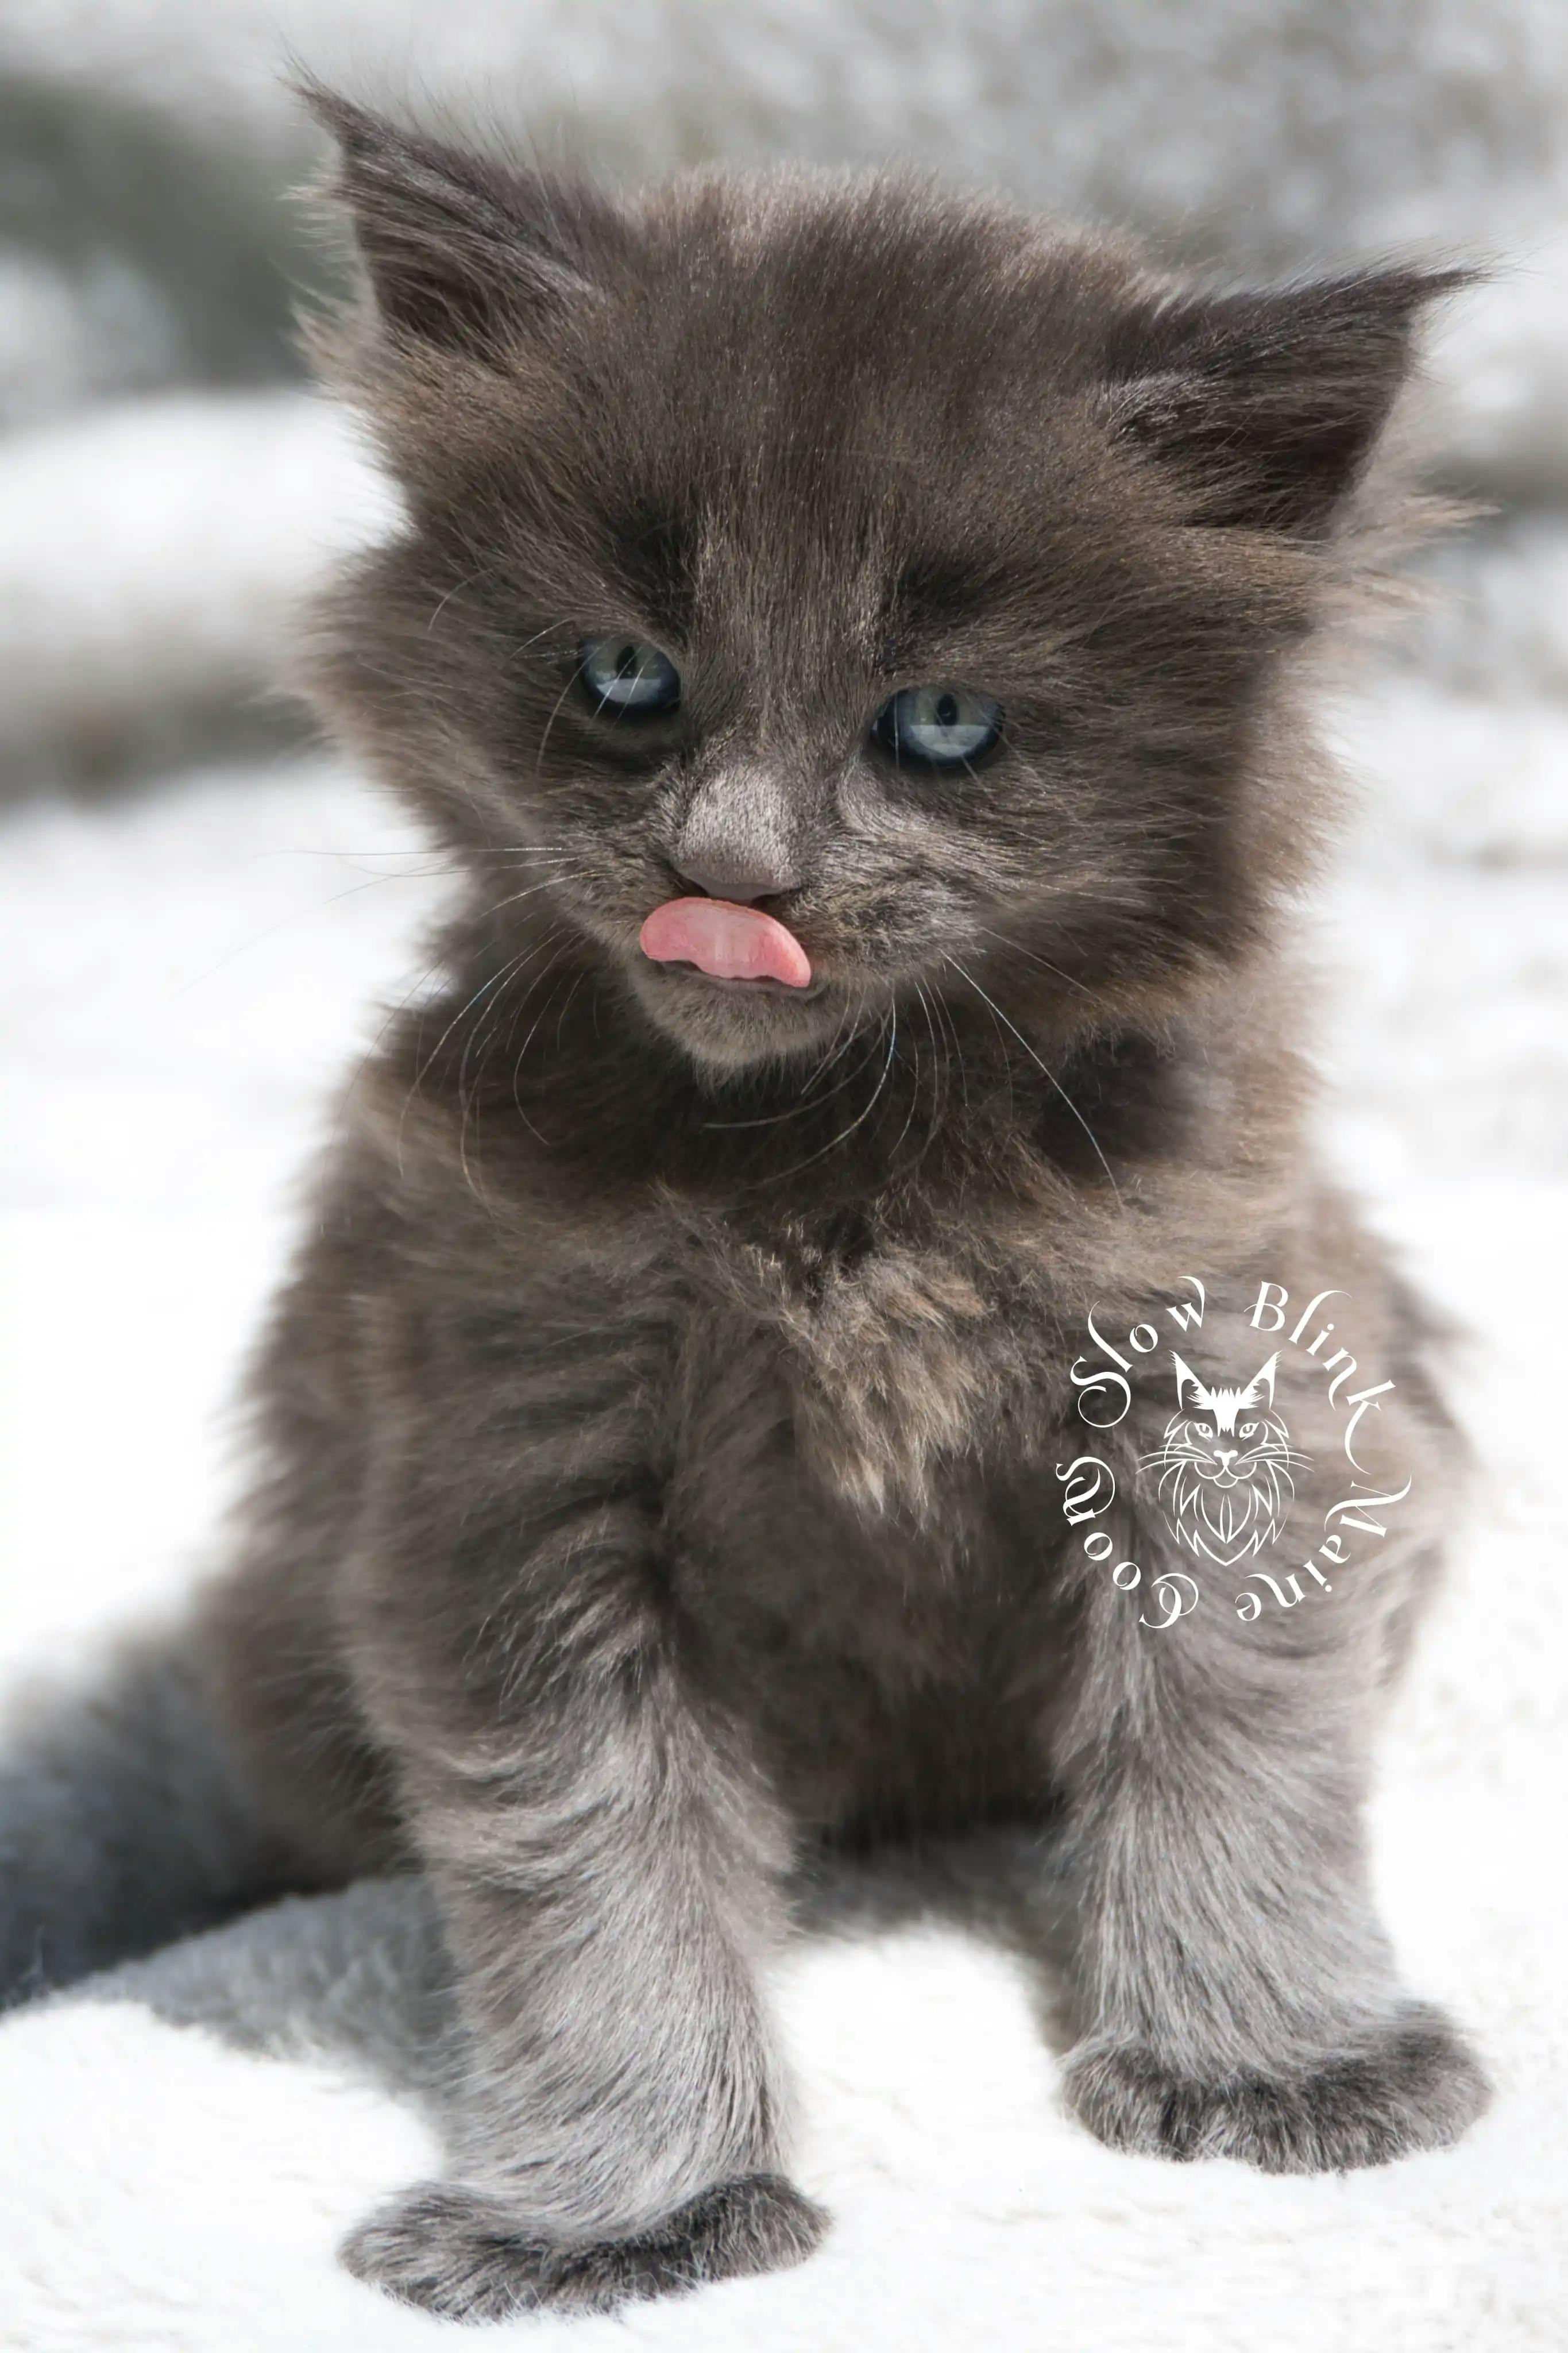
column 851, row 638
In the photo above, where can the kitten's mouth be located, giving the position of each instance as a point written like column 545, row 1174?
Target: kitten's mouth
column 736, row 946
column 731, row 984
column 735, row 985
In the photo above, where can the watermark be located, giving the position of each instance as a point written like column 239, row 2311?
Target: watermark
column 1223, row 1481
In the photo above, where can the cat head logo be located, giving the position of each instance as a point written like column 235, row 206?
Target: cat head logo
column 1224, row 1467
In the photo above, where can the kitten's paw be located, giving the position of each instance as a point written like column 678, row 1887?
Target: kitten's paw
column 466, row 2255
column 1416, row 2085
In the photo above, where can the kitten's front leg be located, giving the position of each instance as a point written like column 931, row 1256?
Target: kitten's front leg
column 1238, row 1994
column 606, row 1864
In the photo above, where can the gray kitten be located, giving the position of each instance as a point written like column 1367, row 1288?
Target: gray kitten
column 851, row 639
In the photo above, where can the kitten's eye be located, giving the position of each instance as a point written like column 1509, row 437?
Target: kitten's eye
column 1250, row 1430
column 628, row 675
column 941, row 726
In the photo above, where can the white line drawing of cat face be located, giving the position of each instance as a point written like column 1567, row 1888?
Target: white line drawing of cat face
column 1225, row 1466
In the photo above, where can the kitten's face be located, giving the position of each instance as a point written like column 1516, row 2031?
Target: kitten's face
column 812, row 544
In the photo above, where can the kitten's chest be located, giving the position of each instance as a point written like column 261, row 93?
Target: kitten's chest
column 857, row 1523
column 877, row 1379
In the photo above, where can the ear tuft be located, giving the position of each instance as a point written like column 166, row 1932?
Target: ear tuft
column 1269, row 403
column 460, row 252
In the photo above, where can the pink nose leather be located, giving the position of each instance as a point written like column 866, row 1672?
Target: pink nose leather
column 729, row 942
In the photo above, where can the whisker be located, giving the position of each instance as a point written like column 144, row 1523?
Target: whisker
column 1017, row 948
column 942, row 1082
column 566, row 1005
column 914, row 1098
column 554, row 714
column 522, row 1054
column 295, row 915
column 516, row 898
column 809, row 1098
column 949, row 1027
column 456, row 590
column 1049, row 1074
column 549, row 629
column 422, row 1067
column 892, row 1015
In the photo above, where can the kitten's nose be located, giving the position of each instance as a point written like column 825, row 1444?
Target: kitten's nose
column 727, row 871
column 736, row 840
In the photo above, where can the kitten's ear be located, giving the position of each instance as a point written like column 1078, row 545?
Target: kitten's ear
column 460, row 252
column 1259, row 1389
column 1191, row 1394
column 1269, row 403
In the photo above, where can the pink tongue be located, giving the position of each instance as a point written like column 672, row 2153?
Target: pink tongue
column 731, row 943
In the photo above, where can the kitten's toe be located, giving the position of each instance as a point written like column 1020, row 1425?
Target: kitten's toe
column 1414, row 2083
column 467, row 2254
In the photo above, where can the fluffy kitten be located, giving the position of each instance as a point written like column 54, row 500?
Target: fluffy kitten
column 849, row 637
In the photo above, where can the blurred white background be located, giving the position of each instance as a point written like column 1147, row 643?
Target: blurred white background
column 200, row 911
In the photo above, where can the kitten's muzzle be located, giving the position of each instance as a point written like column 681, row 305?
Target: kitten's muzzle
column 731, row 984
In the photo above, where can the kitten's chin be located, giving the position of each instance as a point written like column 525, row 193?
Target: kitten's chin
column 731, row 1025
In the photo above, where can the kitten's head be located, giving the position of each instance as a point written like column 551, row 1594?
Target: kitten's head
column 890, row 561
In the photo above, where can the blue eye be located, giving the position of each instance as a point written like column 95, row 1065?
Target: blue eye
column 626, row 675
column 939, row 726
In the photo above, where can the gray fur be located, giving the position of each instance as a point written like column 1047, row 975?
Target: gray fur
column 460, row 2252
column 123, row 1819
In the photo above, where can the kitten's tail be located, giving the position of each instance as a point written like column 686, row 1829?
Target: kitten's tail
column 123, row 1824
